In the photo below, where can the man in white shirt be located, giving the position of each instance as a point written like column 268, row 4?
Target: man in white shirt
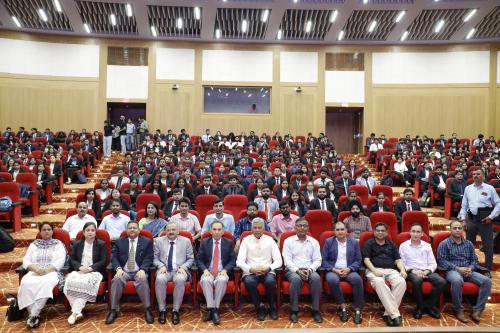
column 76, row 222
column 374, row 147
column 302, row 257
column 365, row 180
column 116, row 222
column 206, row 137
column 258, row 257
column 119, row 179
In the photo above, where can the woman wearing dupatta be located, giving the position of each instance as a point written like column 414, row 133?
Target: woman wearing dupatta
column 152, row 221
column 43, row 261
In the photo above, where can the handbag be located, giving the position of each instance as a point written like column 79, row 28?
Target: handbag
column 13, row 311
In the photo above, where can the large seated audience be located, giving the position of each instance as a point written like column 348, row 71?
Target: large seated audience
column 250, row 210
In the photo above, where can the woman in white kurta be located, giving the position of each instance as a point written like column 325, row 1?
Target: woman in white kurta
column 88, row 262
column 43, row 261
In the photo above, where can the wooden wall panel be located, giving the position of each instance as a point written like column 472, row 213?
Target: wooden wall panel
column 61, row 104
column 300, row 110
column 171, row 109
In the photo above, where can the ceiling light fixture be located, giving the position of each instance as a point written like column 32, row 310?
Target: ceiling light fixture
column 365, row 2
column 471, row 33
column 153, row 31
column 57, row 5
column 197, row 13
column 16, row 21
column 244, row 26
column 112, row 18
column 128, row 9
column 43, row 15
column 334, row 15
column 372, row 26
column 217, row 33
column 400, row 16
column 265, row 15
column 439, row 26
column 405, row 35
column 309, row 26
column 280, row 34
column 470, row 14
column 341, row 35
column 179, row 23
column 86, row 27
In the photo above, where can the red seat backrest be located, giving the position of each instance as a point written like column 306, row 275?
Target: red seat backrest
column 404, row 236
column 324, row 236
column 415, row 217
column 389, row 219
column 61, row 235
column 260, row 214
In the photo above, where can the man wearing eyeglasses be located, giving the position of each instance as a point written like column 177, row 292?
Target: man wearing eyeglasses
column 457, row 257
column 381, row 257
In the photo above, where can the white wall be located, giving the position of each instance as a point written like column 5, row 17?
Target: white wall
column 299, row 67
column 431, row 67
column 54, row 59
column 246, row 66
column 127, row 82
column 345, row 86
column 174, row 64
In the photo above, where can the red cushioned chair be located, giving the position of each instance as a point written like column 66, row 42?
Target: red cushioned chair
column 203, row 203
column 6, row 176
column 342, row 215
column 362, row 192
column 235, row 203
column 104, row 236
column 260, row 214
column 260, row 286
column 191, row 211
column 319, row 221
column 387, row 218
column 387, row 190
column 30, row 179
column 292, row 212
column 142, row 213
column 415, row 216
column 144, row 198
column 449, row 205
column 11, row 190
column 387, row 202
column 81, row 197
column 108, row 212
column 72, row 211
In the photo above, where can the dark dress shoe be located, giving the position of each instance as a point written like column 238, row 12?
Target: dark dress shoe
column 344, row 315
column 273, row 313
column 433, row 312
column 294, row 317
column 387, row 320
column 317, row 316
column 397, row 321
column 162, row 318
column 215, row 317
column 418, row 313
column 176, row 317
column 261, row 313
column 111, row 317
column 148, row 316
column 358, row 318
column 208, row 315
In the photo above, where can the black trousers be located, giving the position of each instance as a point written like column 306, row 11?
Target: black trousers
column 438, row 285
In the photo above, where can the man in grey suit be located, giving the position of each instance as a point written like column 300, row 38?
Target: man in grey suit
column 173, row 256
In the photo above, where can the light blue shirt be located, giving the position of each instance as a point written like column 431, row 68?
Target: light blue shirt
column 481, row 196
column 227, row 220
column 114, row 225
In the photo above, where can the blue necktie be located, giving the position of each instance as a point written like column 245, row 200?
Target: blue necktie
column 170, row 257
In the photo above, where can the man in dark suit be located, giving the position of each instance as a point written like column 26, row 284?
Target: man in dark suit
column 275, row 179
column 141, row 176
column 174, row 204
column 324, row 203
column 344, row 182
column 457, row 187
column 408, row 204
column 233, row 187
column 252, row 179
column 243, row 169
column 207, row 187
column 131, row 259
column 215, row 260
column 438, row 182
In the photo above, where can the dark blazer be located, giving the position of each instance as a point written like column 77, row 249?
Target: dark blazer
column 237, row 190
column 374, row 208
column 279, row 194
column 455, row 191
column 435, row 180
column 330, row 253
column 143, row 254
column 401, row 208
column 168, row 208
column 339, row 185
column 201, row 190
column 330, row 205
column 272, row 181
column 96, row 207
column 98, row 255
column 204, row 257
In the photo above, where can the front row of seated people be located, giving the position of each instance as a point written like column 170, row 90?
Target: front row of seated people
column 259, row 259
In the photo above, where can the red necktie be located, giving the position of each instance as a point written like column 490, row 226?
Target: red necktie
column 215, row 259
column 265, row 207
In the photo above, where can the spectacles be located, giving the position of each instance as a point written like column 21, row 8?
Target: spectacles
column 302, row 226
column 379, row 230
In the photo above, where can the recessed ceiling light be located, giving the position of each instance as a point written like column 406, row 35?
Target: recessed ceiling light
column 128, row 9
column 43, row 15
column 197, row 13
column 309, row 26
column 86, row 27
column 280, row 34
column 334, row 15
column 217, row 33
column 265, row 15
column 179, row 23
column 57, row 5
column 112, row 18
column 405, row 35
column 244, row 26
column 372, row 26
column 365, row 2
column 439, row 26
column 470, row 34
column 341, row 35
column 400, row 16
column 295, row 1
column 470, row 14
column 153, row 31
column 16, row 21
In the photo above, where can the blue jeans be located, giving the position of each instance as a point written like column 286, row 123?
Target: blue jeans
column 354, row 280
column 457, row 282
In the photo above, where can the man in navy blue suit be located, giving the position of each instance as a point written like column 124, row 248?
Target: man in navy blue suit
column 216, row 259
column 131, row 259
column 343, row 183
column 342, row 259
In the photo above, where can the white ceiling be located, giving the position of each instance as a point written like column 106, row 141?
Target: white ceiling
column 354, row 18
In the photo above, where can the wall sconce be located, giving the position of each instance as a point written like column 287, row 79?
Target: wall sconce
column 298, row 89
column 175, row 86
